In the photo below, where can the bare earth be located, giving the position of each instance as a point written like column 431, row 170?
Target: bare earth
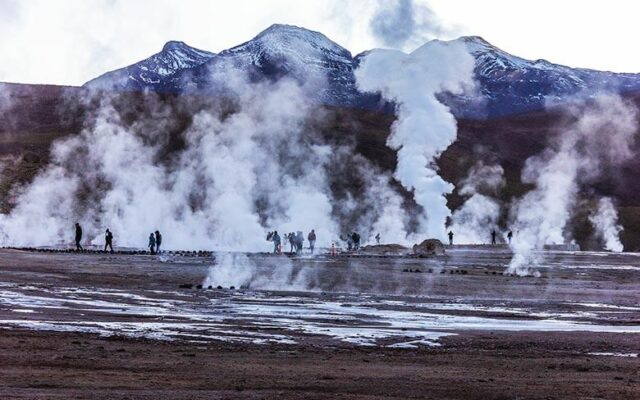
column 127, row 327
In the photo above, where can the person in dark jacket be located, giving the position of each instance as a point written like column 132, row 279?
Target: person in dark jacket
column 78, row 237
column 152, row 243
column 493, row 236
column 158, row 241
column 312, row 240
column 276, row 243
column 108, row 240
column 450, row 238
column 355, row 237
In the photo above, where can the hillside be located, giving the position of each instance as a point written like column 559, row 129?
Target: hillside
column 41, row 114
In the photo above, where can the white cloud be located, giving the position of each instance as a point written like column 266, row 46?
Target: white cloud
column 72, row 41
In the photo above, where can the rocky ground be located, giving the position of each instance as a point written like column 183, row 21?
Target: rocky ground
column 137, row 327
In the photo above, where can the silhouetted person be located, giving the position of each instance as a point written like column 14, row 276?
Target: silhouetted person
column 152, row 244
column 78, row 237
column 108, row 240
column 292, row 241
column 377, row 238
column 510, row 236
column 312, row 240
column 450, row 238
column 355, row 237
column 158, row 241
column 299, row 241
column 493, row 236
column 276, row 242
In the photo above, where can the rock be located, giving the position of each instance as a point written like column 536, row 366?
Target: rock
column 384, row 249
column 429, row 247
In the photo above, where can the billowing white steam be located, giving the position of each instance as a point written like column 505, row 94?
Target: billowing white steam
column 239, row 175
column 478, row 216
column 600, row 134
column 425, row 127
column 605, row 222
column 239, row 271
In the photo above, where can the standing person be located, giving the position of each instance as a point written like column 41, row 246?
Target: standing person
column 158, row 241
column 349, row 242
column 276, row 242
column 510, row 236
column 108, row 240
column 299, row 239
column 356, row 241
column 312, row 240
column 152, row 243
column 450, row 238
column 292, row 240
column 378, row 238
column 78, row 237
column 493, row 236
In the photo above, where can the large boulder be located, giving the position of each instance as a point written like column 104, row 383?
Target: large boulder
column 429, row 247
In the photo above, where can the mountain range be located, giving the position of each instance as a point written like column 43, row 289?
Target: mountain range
column 507, row 84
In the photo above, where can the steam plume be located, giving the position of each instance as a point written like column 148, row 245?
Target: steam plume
column 247, row 165
column 425, row 127
column 478, row 216
column 599, row 135
column 605, row 221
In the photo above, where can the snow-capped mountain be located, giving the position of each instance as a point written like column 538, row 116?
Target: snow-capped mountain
column 155, row 72
column 507, row 84
column 324, row 68
column 510, row 84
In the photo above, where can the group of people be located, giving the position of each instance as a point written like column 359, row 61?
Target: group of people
column 155, row 240
column 494, row 235
column 296, row 240
column 353, row 240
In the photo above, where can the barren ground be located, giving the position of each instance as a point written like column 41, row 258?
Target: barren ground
column 122, row 327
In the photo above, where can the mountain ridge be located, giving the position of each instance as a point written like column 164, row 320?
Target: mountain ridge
column 508, row 84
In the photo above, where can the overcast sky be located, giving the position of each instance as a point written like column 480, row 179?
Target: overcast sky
column 72, row 41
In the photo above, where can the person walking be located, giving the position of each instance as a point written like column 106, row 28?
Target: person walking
column 493, row 237
column 378, row 238
column 292, row 241
column 78, row 237
column 450, row 238
column 152, row 243
column 312, row 240
column 276, row 242
column 158, row 241
column 108, row 240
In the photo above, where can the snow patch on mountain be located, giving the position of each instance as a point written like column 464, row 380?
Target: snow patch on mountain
column 506, row 84
column 152, row 72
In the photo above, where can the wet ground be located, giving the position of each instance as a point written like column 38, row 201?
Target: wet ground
column 132, row 326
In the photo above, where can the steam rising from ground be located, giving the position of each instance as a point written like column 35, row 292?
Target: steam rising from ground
column 599, row 135
column 478, row 216
column 244, row 168
column 425, row 127
column 605, row 221
column 239, row 271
